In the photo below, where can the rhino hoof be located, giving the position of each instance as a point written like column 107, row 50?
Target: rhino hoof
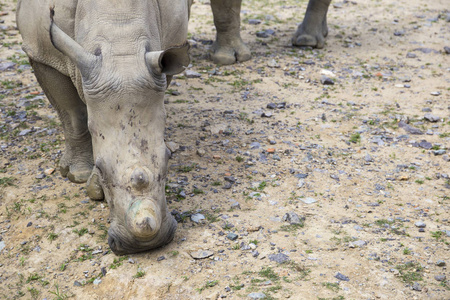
column 94, row 189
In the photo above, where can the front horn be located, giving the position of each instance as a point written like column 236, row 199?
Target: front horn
column 84, row 60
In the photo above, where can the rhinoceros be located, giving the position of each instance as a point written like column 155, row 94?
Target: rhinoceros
column 105, row 65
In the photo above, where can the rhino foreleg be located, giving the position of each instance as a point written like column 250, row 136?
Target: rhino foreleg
column 77, row 160
column 313, row 30
column 228, row 47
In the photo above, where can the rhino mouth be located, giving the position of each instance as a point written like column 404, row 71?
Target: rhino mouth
column 122, row 241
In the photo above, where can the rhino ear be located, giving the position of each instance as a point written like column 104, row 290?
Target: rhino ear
column 170, row 62
column 84, row 60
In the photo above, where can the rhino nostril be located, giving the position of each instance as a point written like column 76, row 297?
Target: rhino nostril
column 139, row 179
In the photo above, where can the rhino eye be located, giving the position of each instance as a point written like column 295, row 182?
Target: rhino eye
column 98, row 51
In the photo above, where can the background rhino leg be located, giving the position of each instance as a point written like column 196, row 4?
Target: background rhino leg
column 313, row 30
column 77, row 160
column 228, row 47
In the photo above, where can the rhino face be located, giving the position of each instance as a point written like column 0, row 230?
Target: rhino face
column 123, row 87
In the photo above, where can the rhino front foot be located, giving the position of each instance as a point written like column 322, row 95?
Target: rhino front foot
column 227, row 53
column 312, row 36
column 76, row 167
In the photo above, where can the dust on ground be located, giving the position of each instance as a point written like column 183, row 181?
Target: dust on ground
column 302, row 174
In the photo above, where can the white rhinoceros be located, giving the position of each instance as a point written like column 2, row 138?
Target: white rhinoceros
column 104, row 65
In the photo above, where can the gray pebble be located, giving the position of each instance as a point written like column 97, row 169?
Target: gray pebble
column 440, row 277
column 326, row 80
column 440, row 263
column 439, row 152
column 308, row 200
column 416, row 287
column 197, row 218
column 232, row 236
column 201, row 254
column 77, row 283
column 420, row 224
column 255, row 295
column 279, row 258
column 293, row 218
column 431, row 118
column 162, row 257
column 192, row 74
column 7, row 66
column 254, row 21
column 411, row 55
column 341, row 277
column 2, row 245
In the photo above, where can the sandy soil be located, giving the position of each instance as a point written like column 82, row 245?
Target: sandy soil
column 253, row 142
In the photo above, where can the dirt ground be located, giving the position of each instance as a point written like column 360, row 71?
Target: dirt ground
column 363, row 163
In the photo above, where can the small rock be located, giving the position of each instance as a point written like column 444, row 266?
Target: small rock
column 97, row 281
column 439, row 152
column 342, row 277
column 77, row 283
column 49, row 171
column 308, row 200
column 435, row 93
column 447, row 50
column 7, row 66
column 279, row 258
column 267, row 114
column 255, row 295
column 162, row 257
column 201, row 152
column 29, row 224
column 192, row 74
column 431, row 118
column 40, row 176
column 440, row 277
column 409, row 128
column 2, row 245
column 326, row 80
column 232, row 236
column 254, row 21
column 236, row 205
column 357, row 244
column 172, row 146
column 300, row 183
column 293, row 218
column 416, row 287
column 368, row 158
column 440, row 263
column 197, row 218
column 411, row 55
column 420, row 224
column 24, row 132
column 273, row 63
column 201, row 254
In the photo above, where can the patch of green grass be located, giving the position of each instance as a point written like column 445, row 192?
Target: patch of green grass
column 198, row 191
column 117, row 262
column 52, row 236
column 406, row 251
column 419, row 181
column 33, row 277
column 239, row 158
column 331, row 286
column 208, row 284
column 410, row 272
column 355, row 138
column 216, row 183
column 140, row 273
column 188, row 168
column 59, row 295
column 81, row 231
column 292, row 227
column 269, row 273
column 7, row 181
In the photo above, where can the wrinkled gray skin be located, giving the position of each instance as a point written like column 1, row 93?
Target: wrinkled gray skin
column 229, row 48
column 104, row 65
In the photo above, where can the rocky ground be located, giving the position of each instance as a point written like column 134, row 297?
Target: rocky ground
column 302, row 174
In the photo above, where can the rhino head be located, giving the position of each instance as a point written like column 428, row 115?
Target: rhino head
column 125, row 67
